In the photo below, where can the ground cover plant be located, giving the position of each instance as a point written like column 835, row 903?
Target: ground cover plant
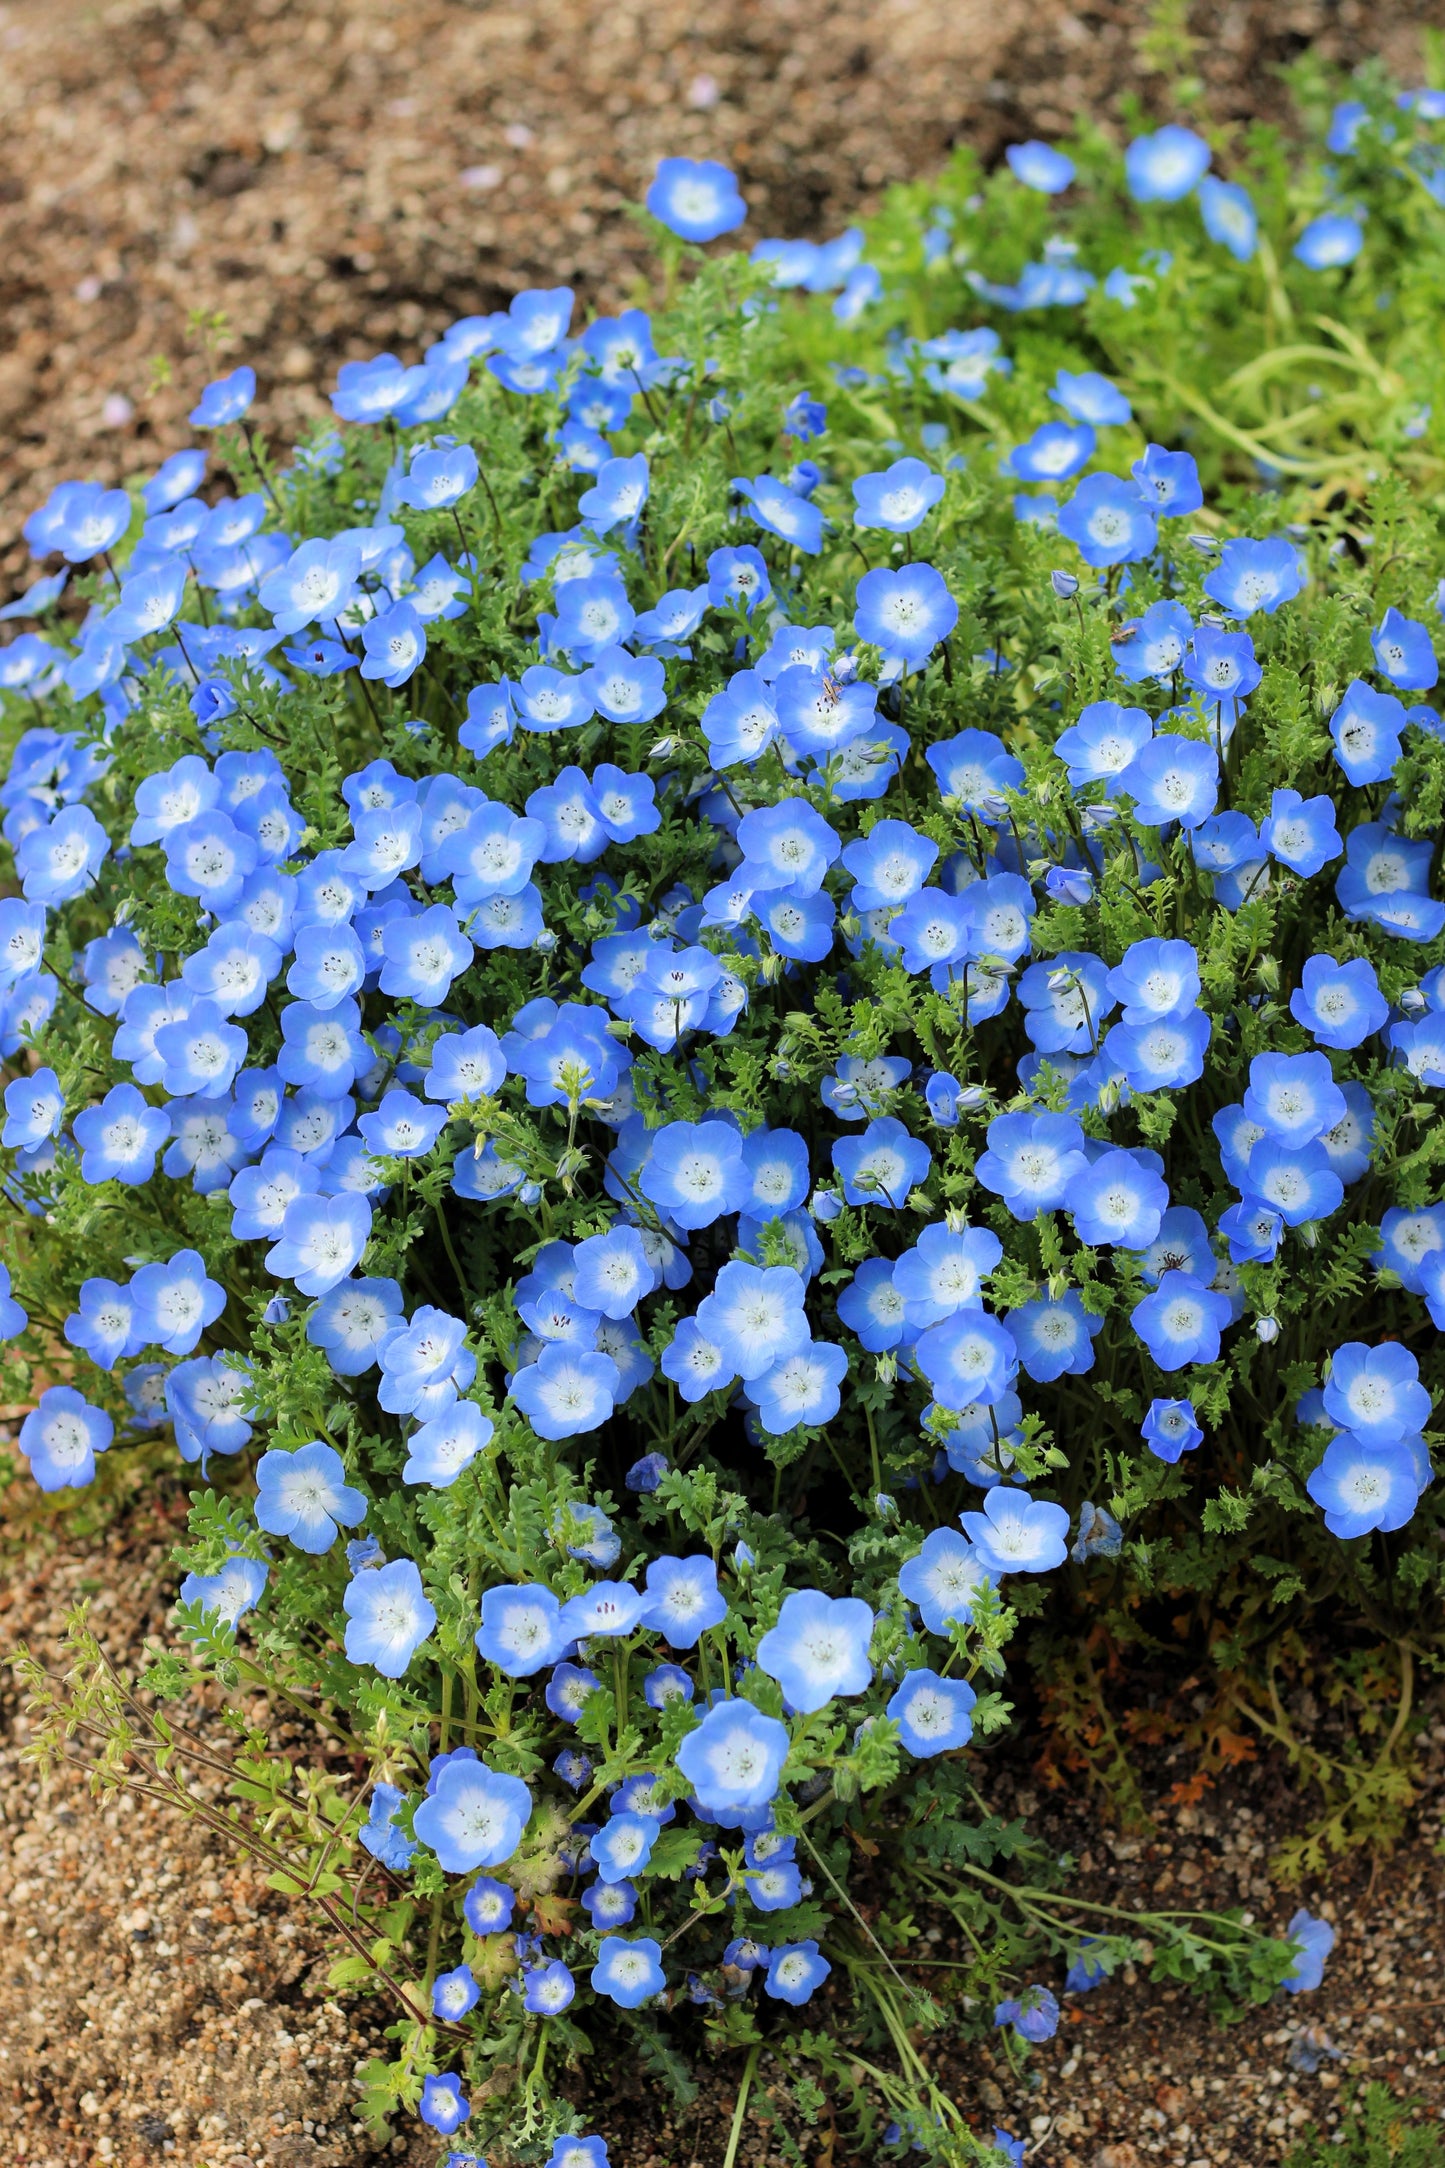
column 735, row 1020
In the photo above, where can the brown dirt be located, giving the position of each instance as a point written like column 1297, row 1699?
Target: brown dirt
column 339, row 176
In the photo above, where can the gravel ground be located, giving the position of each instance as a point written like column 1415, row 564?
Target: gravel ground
column 339, row 176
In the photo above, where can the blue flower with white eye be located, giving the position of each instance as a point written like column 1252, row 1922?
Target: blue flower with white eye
column 1375, row 1392
column 1404, row 653
column 1330, row 241
column 521, row 1630
column 1172, row 779
column 933, row 1714
column 944, row 1273
column 696, row 198
column 1169, row 482
column 1170, row 1428
column 1056, row 452
column 1031, row 1161
column 1253, row 1231
column 322, row 1241
column 425, row 1364
column 1156, row 647
column 755, row 1316
column 801, row 1387
column 1018, row 1534
column 888, row 865
column 567, row 1391
column 796, row 1970
column 1366, row 728
column 1040, row 166
column 475, row 1816
column 906, row 612
column 35, row 1110
column 1298, row 1180
column 1117, row 1200
column 439, row 1450
column 1109, row 521
column 224, row 400
column 1301, row 833
column 487, row 1906
column 1229, row 216
column 388, row 1617
column 201, row 1054
column 1340, row 1005
column 623, row 1846
column 1055, row 1337
column 227, row 1596
column 1102, row 743
column 630, row 1973
column 305, row 1495
column 617, row 496
column 883, row 1166
column 775, row 1886
column 1181, row 1321
column 13, row 1320
column 1293, row 1097
column 59, row 862
column 1066, row 1000
column 1090, row 397
column 944, row 1579
column 1361, row 1487
column 22, row 939
column 61, row 1436
column 104, row 1324
column 696, row 1172
column 1254, row 576
column 444, row 2107
column 899, row 499
column 210, row 858
column 969, row 1357
column 1164, row 167
column 402, row 1127
column 781, row 511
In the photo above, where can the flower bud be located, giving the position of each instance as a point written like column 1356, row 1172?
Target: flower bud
column 1267, row 1330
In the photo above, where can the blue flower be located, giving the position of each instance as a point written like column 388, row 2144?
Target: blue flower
column 629, row 1973
column 781, row 511
column 304, row 1494
column 933, row 1714
column 174, row 1302
column 1016, row 1533
column 818, row 1648
column 1254, row 576
column 1108, row 521
column 549, row 1988
column 574, row 2152
column 906, row 613
column 1361, row 1487
column 454, row 1994
column 1170, row 1428
column 883, row 1166
column 61, row 1436
column 1313, row 1940
column 1169, row 481
column 1055, row 1338
column 1404, row 654
column 795, row 1971
column 734, row 1758
column 1034, row 2015
column 388, row 1617
column 1330, row 241
column 59, row 862
column 1181, row 1321
column 475, row 1817
column 899, row 499
column 696, row 198
column 521, row 1630
column 228, row 1594
column 1040, row 166
column 1099, row 747
column 1056, row 452
column 804, row 1387
column 944, row 1579
column 1172, row 778
column 1376, row 1393
column 1229, row 216
column 1340, row 1005
column 444, row 2106
column 487, row 1906
column 1163, row 167
column 623, row 1846
column 1366, row 728
column 224, row 400
column 119, row 1139
column 684, row 1599
column 1031, row 1161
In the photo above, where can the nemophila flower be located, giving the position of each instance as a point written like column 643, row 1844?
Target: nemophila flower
column 1293, row 1097
column 119, row 1139
column 976, row 769
column 1171, row 1428
column 1404, row 653
column 1172, row 779
column 754, row 1316
column 575, row 2152
column 22, row 938
column 1031, row 1161
column 322, row 1241
column 781, row 511
column 1330, row 241
column 1056, row 452
column 906, row 612
column 1313, row 1940
column 1054, row 1338
column 795, row 1971
column 1253, row 1231
column 1163, row 167
column 425, row 1364
column 1090, row 397
column 454, row 1994
column 1297, row 1180
column 1375, row 1392
column 1181, row 1321
column 444, row 2107
column 475, row 1816
column 59, row 862
column 734, row 1758
column 1099, row 747
column 174, row 1302
column 568, row 1690
column 944, row 1272
column 1034, row 2014
column 1040, row 166
column 352, row 1320
column 696, row 1172
column 933, row 1715
column 1066, row 999
column 1300, row 832
column 899, row 499
column 1108, row 521
column 1360, row 1487
column 623, row 1845
column 304, row 1495
column 1229, row 216
column 1340, row 1005
column 1366, row 728
column 696, row 198
column 883, row 1166
column 1254, row 576
column 61, row 1436
column 230, row 1593
column 224, row 400
column 1169, row 482
column 13, row 1320
column 388, row 1617
column 628, row 1973
column 1016, row 1533
column 944, row 1579
column 803, row 1387
column 683, row 1599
